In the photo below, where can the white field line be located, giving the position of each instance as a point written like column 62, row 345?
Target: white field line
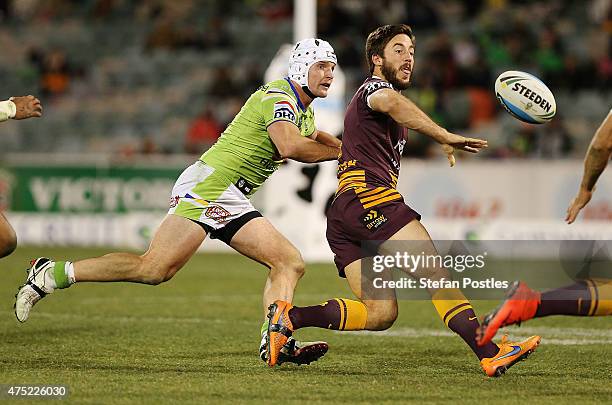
column 559, row 332
column 135, row 319
column 550, row 336
column 315, row 298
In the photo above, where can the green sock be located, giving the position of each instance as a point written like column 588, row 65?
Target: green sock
column 59, row 274
column 264, row 327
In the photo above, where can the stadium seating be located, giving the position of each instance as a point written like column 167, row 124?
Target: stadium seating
column 123, row 86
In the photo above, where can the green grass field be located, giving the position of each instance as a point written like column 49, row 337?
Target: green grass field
column 195, row 340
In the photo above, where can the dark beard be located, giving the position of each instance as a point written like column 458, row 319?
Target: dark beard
column 391, row 76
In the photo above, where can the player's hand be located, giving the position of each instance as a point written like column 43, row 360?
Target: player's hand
column 27, row 107
column 578, row 203
column 454, row 141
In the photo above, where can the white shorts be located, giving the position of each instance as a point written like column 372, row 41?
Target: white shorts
column 209, row 198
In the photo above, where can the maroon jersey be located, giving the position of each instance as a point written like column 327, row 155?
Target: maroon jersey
column 372, row 145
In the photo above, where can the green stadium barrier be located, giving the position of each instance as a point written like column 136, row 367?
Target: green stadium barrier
column 88, row 188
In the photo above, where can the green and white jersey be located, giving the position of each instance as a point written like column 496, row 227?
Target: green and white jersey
column 245, row 154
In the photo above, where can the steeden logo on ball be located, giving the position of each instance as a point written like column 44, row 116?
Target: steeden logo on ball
column 525, row 97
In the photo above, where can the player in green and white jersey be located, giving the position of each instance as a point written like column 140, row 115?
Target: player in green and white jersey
column 17, row 108
column 246, row 155
column 211, row 197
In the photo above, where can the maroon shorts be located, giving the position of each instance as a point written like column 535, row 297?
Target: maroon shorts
column 355, row 232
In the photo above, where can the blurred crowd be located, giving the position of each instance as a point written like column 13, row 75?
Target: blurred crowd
column 154, row 76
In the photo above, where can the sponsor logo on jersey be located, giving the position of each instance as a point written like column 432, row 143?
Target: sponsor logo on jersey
column 243, row 185
column 373, row 86
column 373, row 219
column 400, row 146
column 217, row 213
column 174, row 201
column 269, row 164
column 345, row 165
column 284, row 110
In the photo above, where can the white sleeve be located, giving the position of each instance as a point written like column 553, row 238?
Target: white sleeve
column 7, row 110
column 373, row 87
column 368, row 100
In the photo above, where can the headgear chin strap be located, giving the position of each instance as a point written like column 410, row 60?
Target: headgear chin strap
column 306, row 53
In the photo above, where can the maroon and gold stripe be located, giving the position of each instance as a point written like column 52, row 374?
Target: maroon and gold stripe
column 450, row 314
column 369, row 197
column 593, row 291
column 393, row 179
column 351, row 179
column 372, row 198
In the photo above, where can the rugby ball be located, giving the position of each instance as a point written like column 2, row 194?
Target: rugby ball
column 525, row 97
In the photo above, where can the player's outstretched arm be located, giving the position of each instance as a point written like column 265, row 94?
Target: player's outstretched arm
column 595, row 162
column 291, row 145
column 408, row 115
column 20, row 108
column 326, row 139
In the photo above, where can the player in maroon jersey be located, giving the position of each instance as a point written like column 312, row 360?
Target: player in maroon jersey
column 368, row 208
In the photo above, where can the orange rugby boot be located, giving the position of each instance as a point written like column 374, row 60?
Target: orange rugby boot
column 280, row 329
column 509, row 354
column 520, row 305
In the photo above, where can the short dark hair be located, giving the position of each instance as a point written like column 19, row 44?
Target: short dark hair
column 380, row 37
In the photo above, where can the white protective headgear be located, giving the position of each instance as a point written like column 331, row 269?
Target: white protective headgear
column 304, row 54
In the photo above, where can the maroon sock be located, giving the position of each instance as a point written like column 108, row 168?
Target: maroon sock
column 326, row 315
column 574, row 299
column 465, row 325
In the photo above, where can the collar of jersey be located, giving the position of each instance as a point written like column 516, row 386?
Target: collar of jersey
column 297, row 96
column 380, row 78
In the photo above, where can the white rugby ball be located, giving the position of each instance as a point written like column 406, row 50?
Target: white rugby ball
column 525, row 97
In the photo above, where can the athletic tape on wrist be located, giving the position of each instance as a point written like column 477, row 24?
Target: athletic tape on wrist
column 8, row 109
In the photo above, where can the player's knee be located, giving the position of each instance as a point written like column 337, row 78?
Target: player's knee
column 381, row 314
column 442, row 273
column 155, row 277
column 434, row 273
column 155, row 273
column 8, row 242
column 298, row 266
column 289, row 264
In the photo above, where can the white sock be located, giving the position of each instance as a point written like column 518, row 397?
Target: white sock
column 69, row 269
column 50, row 278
